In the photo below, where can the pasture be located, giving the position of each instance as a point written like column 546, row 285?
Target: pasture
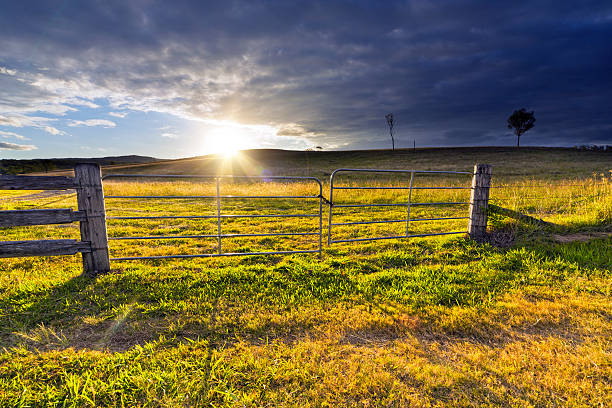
column 521, row 320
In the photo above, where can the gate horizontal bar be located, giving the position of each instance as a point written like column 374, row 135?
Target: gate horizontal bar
column 392, row 204
column 212, row 196
column 366, row 222
column 134, row 258
column 204, row 176
column 404, row 220
column 455, row 203
column 437, row 219
column 402, row 188
column 398, row 236
column 213, row 236
column 402, row 171
column 212, row 216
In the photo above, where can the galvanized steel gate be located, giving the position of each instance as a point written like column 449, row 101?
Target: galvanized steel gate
column 219, row 216
column 408, row 204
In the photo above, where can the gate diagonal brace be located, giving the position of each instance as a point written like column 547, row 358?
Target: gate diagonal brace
column 325, row 200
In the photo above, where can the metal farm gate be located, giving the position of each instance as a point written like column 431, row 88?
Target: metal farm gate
column 409, row 185
column 219, row 216
column 227, row 223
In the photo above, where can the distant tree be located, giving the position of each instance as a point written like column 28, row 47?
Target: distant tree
column 319, row 148
column 521, row 121
column 391, row 124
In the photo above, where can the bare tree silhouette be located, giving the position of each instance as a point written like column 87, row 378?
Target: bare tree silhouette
column 391, row 124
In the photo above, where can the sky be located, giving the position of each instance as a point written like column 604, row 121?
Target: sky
column 183, row 78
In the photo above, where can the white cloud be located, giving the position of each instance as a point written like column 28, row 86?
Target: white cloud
column 54, row 109
column 135, row 82
column 296, row 130
column 84, row 102
column 6, row 71
column 14, row 146
column 11, row 121
column 92, row 122
column 170, row 135
column 19, row 121
column 11, row 134
column 53, row 131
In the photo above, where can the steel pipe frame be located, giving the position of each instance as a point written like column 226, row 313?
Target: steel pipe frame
column 153, row 217
column 397, row 237
column 402, row 188
column 394, row 204
column 280, row 234
column 407, row 205
column 392, row 221
column 219, row 216
column 134, row 258
column 214, row 196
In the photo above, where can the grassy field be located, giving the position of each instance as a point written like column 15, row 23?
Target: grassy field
column 524, row 320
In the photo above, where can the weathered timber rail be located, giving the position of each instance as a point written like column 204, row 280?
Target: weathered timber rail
column 91, row 216
column 21, row 218
column 36, row 183
column 47, row 247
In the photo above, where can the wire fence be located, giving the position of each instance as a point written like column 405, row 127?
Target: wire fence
column 553, row 199
column 251, row 215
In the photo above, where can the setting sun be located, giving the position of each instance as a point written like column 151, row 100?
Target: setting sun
column 226, row 137
column 226, row 141
column 226, row 148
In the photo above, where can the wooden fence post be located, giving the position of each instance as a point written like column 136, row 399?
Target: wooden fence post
column 479, row 200
column 90, row 199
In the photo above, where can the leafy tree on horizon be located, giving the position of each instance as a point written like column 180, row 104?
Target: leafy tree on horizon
column 521, row 121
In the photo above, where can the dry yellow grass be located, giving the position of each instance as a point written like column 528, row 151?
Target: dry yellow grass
column 423, row 322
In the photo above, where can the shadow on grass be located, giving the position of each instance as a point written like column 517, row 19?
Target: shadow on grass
column 587, row 244
column 498, row 217
column 120, row 310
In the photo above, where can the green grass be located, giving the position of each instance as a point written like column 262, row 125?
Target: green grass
column 423, row 322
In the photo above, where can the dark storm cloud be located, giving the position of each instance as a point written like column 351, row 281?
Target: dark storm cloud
column 451, row 72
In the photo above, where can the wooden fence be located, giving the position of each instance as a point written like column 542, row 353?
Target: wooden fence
column 92, row 216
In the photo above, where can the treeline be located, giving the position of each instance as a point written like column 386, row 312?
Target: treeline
column 15, row 166
column 9, row 166
column 594, row 147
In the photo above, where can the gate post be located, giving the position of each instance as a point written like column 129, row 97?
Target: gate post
column 479, row 200
column 90, row 199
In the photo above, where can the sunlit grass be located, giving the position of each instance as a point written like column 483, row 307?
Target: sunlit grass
column 419, row 322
